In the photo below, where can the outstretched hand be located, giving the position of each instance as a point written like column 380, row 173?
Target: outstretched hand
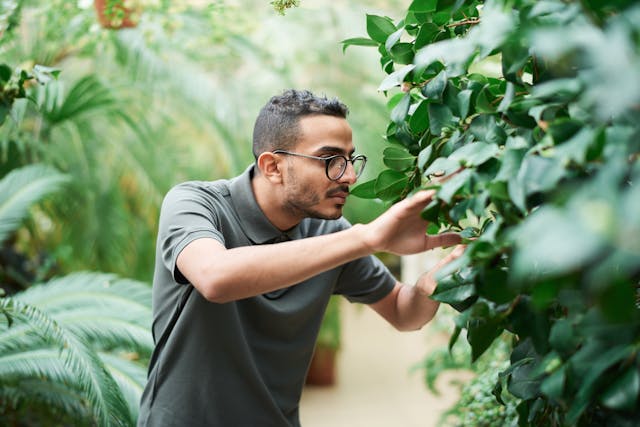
column 402, row 230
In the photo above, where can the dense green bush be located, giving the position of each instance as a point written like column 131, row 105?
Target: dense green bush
column 536, row 159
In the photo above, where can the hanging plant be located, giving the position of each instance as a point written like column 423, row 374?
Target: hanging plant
column 117, row 14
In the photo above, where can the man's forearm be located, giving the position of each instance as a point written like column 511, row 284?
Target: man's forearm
column 252, row 270
column 414, row 306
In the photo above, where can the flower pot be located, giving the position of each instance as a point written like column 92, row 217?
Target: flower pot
column 322, row 371
column 116, row 14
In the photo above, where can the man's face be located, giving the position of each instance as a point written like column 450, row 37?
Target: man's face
column 308, row 190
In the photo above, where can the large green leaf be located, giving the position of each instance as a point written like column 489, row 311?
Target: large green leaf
column 398, row 158
column 379, row 28
column 390, row 184
column 107, row 404
column 475, row 154
column 623, row 393
column 22, row 188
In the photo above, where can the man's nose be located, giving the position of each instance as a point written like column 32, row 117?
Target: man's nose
column 349, row 175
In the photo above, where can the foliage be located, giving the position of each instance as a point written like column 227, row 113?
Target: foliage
column 281, row 5
column 477, row 405
column 72, row 347
column 536, row 160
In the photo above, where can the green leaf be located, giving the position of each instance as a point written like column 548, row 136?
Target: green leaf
column 436, row 86
column 393, row 39
column 451, row 291
column 523, row 383
column 357, row 41
column 511, row 160
column 426, row 35
column 398, row 158
column 379, row 28
column 5, row 73
column 485, row 128
column 424, row 156
column 451, row 187
column 552, row 242
column 494, row 286
column 22, row 188
column 419, row 121
column 390, row 184
column 623, row 393
column 442, row 166
column 475, row 154
column 540, row 174
column 440, row 116
column 402, row 53
column 399, row 112
column 481, row 332
column 594, row 366
column 464, row 101
column 553, row 385
column 396, row 78
column 424, row 6
column 366, row 190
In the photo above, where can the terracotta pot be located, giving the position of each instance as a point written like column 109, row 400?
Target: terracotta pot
column 322, row 371
column 120, row 14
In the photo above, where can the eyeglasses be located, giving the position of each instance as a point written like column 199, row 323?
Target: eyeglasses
column 335, row 166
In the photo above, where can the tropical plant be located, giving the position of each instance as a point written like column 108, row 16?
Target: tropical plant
column 75, row 347
column 537, row 160
column 72, row 349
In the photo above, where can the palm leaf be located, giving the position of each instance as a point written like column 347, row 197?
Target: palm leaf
column 130, row 376
column 59, row 400
column 100, row 390
column 20, row 189
column 98, row 308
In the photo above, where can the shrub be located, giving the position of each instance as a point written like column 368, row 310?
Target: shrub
column 524, row 116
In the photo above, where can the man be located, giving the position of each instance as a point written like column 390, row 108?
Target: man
column 245, row 268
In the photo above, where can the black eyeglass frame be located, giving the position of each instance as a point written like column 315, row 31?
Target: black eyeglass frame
column 329, row 159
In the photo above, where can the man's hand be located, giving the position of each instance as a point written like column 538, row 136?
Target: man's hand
column 401, row 230
column 427, row 284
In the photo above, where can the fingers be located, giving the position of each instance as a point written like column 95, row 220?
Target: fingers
column 419, row 200
column 443, row 240
column 454, row 254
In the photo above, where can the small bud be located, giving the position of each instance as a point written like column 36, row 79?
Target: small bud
column 406, row 87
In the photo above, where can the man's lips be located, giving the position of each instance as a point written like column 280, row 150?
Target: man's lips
column 339, row 193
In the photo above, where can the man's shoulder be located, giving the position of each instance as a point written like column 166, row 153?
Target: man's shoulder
column 195, row 187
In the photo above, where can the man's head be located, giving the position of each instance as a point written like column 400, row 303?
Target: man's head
column 277, row 126
column 304, row 157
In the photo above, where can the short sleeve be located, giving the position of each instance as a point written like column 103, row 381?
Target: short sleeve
column 188, row 213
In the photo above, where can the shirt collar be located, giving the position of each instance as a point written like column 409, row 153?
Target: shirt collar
column 254, row 222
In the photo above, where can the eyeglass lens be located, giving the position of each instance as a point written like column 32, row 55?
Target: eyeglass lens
column 338, row 165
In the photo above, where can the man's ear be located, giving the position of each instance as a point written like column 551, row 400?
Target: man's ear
column 270, row 167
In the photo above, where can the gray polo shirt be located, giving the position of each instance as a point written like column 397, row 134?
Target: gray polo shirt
column 241, row 363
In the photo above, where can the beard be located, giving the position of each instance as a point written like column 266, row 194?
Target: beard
column 302, row 201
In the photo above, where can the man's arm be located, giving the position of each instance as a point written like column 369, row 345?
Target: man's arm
column 409, row 308
column 223, row 275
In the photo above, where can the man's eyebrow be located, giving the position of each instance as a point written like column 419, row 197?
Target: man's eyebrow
column 328, row 149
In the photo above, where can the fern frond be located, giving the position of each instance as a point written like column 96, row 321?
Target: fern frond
column 107, row 404
column 90, row 289
column 130, row 376
column 57, row 399
column 20, row 189
column 98, row 308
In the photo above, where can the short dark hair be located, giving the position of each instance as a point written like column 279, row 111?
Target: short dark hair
column 276, row 126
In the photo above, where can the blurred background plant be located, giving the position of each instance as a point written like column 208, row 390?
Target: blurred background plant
column 118, row 114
